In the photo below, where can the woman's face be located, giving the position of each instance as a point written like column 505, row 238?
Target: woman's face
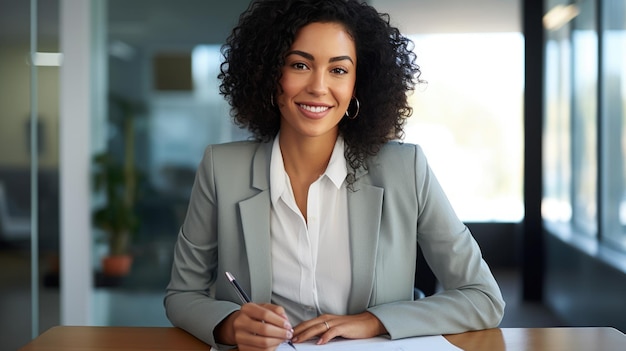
column 317, row 81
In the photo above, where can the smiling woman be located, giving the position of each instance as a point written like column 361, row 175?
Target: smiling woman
column 320, row 214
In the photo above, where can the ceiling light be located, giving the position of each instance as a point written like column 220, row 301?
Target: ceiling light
column 47, row 59
column 559, row 15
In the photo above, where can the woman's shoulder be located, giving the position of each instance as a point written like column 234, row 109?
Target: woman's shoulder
column 395, row 165
column 394, row 150
column 230, row 154
column 233, row 147
column 236, row 144
column 398, row 159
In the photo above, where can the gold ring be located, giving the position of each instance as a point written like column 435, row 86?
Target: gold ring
column 327, row 326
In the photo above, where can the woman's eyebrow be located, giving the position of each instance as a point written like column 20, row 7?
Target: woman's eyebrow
column 308, row 56
column 341, row 58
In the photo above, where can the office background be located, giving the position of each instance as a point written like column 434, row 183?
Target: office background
column 527, row 98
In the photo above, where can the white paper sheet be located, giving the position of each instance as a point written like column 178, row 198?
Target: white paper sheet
column 430, row 343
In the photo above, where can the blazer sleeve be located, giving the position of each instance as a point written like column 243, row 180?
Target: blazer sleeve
column 189, row 300
column 470, row 298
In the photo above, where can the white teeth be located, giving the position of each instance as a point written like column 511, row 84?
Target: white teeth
column 314, row 109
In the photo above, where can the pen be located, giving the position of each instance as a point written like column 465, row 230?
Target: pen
column 243, row 296
column 238, row 289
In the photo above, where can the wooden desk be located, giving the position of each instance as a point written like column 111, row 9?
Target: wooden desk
column 158, row 338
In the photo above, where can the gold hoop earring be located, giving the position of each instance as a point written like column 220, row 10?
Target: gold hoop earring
column 358, row 108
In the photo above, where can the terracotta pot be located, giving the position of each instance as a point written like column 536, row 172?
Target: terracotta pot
column 116, row 266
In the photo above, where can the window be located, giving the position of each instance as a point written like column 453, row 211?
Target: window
column 585, row 120
column 557, row 139
column 468, row 119
column 613, row 102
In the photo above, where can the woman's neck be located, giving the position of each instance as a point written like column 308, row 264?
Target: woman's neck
column 306, row 158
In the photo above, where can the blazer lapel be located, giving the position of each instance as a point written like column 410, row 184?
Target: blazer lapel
column 255, row 222
column 364, row 210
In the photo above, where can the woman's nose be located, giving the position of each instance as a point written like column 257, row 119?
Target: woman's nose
column 318, row 83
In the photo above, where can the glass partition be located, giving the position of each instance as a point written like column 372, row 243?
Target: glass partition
column 163, row 108
column 29, row 191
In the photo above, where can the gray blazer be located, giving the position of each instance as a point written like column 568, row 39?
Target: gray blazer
column 397, row 201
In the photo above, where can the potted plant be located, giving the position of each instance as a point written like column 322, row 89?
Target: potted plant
column 118, row 179
column 117, row 216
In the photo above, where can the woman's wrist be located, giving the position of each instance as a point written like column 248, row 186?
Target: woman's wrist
column 224, row 332
column 379, row 325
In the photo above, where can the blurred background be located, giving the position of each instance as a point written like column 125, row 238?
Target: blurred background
column 107, row 105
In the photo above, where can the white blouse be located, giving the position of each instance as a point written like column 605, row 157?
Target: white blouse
column 311, row 267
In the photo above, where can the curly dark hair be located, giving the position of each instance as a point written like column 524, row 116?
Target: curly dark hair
column 386, row 70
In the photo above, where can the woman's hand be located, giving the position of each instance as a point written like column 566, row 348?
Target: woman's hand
column 255, row 327
column 328, row 326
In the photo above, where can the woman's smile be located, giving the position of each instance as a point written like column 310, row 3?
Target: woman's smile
column 314, row 111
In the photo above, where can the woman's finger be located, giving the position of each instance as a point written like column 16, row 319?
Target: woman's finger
column 273, row 319
column 261, row 326
column 327, row 327
column 314, row 323
column 314, row 327
column 256, row 342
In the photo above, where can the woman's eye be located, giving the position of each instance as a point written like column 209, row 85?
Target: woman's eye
column 299, row 66
column 339, row 71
